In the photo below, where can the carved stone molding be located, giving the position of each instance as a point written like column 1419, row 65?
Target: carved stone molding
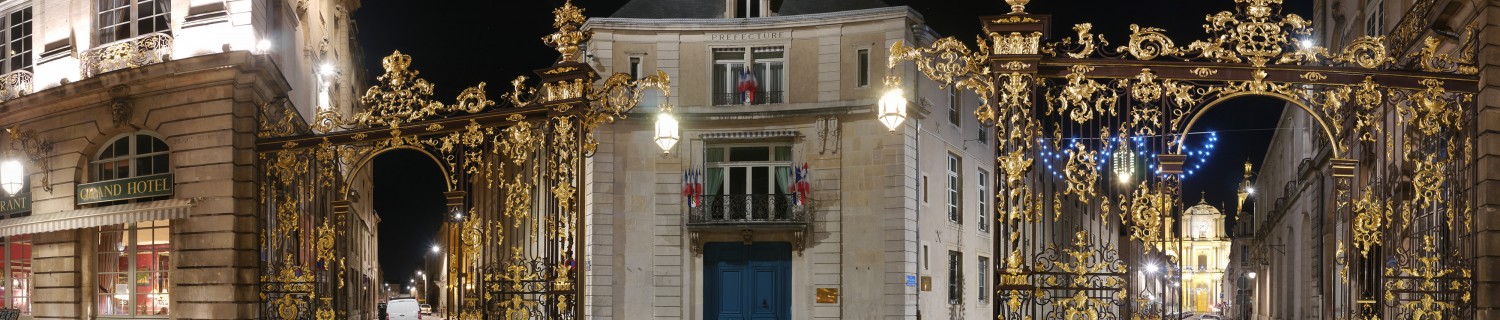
column 120, row 110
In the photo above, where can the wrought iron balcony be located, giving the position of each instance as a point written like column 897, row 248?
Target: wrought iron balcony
column 768, row 211
column 760, row 97
column 129, row 53
column 15, row 84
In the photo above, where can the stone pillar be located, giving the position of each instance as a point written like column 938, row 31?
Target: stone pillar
column 57, row 265
column 1487, row 162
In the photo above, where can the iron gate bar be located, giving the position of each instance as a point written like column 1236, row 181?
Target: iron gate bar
column 1183, row 71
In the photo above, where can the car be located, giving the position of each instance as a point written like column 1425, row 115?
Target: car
column 426, row 309
column 403, row 309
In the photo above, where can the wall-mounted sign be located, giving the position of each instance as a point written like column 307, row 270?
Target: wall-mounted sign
column 15, row 204
column 926, row 283
column 122, row 189
column 750, row 36
column 828, row 295
column 911, row 280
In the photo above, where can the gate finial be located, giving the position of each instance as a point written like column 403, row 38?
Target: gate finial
column 1017, row 6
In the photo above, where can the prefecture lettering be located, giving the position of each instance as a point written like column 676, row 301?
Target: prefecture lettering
column 750, row 36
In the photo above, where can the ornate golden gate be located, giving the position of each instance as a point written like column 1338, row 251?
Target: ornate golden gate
column 1076, row 241
column 512, row 169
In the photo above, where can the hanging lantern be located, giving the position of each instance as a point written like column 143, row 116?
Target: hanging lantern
column 1123, row 161
column 12, row 176
column 667, row 132
column 892, row 108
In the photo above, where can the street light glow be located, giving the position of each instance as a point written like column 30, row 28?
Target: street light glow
column 667, row 132
column 434, row 248
column 1251, row 190
column 327, row 69
column 1251, row 275
column 12, row 176
column 1152, row 268
column 893, row 108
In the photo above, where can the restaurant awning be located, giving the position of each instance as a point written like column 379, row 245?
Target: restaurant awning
column 94, row 217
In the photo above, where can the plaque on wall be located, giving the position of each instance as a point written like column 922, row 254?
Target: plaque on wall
column 828, row 295
column 926, row 283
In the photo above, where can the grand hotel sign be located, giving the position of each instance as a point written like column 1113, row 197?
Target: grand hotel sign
column 124, row 189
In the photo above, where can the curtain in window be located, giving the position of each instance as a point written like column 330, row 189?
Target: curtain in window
column 783, row 174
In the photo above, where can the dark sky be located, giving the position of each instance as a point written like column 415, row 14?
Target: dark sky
column 456, row 44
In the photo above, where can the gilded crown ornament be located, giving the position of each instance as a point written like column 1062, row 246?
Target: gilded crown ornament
column 568, row 19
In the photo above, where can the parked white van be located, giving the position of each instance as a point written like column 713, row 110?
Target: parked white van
column 403, row 309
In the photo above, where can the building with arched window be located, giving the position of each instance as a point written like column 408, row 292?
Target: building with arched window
column 129, row 157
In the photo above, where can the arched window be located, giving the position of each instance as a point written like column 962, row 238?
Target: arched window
column 131, row 155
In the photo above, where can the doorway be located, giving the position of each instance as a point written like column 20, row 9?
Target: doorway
column 747, row 281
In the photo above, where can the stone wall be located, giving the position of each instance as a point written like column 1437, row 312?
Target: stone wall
column 204, row 107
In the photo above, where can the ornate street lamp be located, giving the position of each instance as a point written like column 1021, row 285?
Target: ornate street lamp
column 1123, row 161
column 892, row 106
column 667, row 132
column 12, row 176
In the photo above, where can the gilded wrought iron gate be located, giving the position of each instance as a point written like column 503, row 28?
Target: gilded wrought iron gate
column 512, row 170
column 1088, row 217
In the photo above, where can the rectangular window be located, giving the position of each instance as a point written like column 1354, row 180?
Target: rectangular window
column 863, row 79
column 17, row 45
column 132, row 267
column 748, row 182
column 955, row 213
column 1375, row 24
column 635, row 67
column 125, row 19
column 984, row 279
column 955, row 277
column 748, row 9
column 925, row 264
column 953, row 105
column 18, row 289
column 984, row 204
column 753, row 76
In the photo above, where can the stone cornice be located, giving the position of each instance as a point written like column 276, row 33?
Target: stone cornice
column 793, row 21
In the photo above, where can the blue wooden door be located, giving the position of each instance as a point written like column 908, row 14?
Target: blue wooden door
column 747, row 282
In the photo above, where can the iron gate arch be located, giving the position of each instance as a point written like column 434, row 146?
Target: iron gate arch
column 513, row 169
column 1400, row 128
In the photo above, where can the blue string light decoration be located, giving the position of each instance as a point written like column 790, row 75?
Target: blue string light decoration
column 1197, row 157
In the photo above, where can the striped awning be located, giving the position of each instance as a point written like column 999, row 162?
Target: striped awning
column 94, row 217
column 748, row 135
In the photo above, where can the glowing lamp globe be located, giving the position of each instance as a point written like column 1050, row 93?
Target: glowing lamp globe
column 893, row 108
column 12, row 176
column 667, row 133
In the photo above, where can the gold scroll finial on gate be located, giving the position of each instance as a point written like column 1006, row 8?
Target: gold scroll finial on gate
column 568, row 20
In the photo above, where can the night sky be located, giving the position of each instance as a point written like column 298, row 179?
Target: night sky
column 456, row 44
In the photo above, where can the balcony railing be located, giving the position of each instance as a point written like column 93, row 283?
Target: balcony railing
column 760, row 97
column 129, row 53
column 15, row 84
column 747, row 209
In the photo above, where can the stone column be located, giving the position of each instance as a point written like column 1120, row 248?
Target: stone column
column 57, row 265
column 1487, row 162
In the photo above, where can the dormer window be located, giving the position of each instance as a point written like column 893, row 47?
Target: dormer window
column 750, row 8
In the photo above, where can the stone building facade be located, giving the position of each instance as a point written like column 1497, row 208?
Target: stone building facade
column 789, row 183
column 135, row 123
column 1205, row 253
column 1290, row 244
